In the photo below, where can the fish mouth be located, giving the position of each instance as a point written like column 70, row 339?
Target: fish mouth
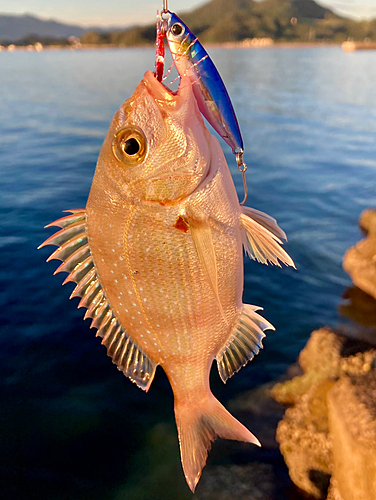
column 173, row 180
column 161, row 92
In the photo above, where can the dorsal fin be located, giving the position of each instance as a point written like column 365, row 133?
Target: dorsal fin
column 245, row 342
column 74, row 251
column 261, row 242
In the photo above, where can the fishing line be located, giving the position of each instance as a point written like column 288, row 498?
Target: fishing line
column 169, row 70
column 174, row 80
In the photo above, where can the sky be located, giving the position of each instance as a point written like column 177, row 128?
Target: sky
column 128, row 12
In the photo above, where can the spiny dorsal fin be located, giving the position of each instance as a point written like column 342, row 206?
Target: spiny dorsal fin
column 263, row 245
column 74, row 251
column 203, row 242
column 244, row 344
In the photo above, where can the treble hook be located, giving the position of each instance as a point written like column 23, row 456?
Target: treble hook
column 242, row 167
column 164, row 8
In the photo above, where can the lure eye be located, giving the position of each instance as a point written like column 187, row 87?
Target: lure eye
column 177, row 29
column 129, row 146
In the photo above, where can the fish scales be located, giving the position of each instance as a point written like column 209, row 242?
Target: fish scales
column 162, row 281
column 157, row 256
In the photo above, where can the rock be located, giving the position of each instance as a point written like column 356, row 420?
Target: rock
column 322, row 352
column 352, row 424
column 360, row 260
column 304, row 440
column 360, row 263
column 319, row 359
column 333, row 492
column 304, row 433
column 326, row 355
column 358, row 357
column 360, row 307
column 367, row 220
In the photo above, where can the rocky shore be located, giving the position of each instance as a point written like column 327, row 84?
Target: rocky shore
column 327, row 436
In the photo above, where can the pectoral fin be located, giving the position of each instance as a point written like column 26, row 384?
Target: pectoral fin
column 203, row 242
column 264, row 220
column 262, row 239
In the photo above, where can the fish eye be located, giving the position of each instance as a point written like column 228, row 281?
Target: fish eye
column 177, row 29
column 129, row 146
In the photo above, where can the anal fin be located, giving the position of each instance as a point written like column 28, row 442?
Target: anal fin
column 244, row 344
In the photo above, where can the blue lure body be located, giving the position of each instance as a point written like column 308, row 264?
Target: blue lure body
column 191, row 59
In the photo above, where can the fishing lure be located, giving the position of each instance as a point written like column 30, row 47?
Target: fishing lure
column 190, row 58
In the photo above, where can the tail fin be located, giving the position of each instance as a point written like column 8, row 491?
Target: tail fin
column 198, row 426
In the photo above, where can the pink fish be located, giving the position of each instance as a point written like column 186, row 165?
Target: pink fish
column 157, row 256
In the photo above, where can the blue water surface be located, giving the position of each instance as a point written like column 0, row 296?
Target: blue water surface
column 71, row 426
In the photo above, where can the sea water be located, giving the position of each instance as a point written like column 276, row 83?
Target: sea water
column 71, row 425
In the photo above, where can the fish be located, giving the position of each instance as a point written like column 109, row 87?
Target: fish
column 157, row 258
column 191, row 59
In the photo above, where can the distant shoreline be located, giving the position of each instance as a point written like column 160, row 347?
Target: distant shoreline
column 226, row 45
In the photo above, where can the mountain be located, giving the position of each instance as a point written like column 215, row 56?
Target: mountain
column 221, row 21
column 216, row 22
column 14, row 27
